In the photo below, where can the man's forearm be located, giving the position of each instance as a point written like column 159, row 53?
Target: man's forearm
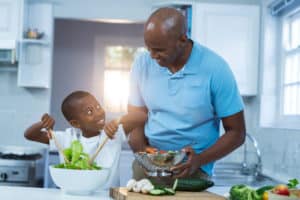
column 225, row 145
column 133, row 120
column 137, row 140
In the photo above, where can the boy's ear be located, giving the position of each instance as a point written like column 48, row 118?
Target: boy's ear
column 74, row 123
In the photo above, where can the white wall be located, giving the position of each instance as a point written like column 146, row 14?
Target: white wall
column 19, row 108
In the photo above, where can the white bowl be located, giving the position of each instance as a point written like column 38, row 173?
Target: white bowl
column 79, row 182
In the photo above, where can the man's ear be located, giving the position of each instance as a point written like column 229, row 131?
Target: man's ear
column 74, row 123
column 183, row 40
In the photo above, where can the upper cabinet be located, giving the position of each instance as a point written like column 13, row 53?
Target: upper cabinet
column 26, row 26
column 36, row 44
column 232, row 31
column 10, row 12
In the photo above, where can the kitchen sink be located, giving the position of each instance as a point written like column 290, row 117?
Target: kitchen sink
column 245, row 172
column 228, row 174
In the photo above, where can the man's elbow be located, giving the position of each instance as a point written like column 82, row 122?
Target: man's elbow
column 241, row 138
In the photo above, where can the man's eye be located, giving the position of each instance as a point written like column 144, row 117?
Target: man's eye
column 89, row 112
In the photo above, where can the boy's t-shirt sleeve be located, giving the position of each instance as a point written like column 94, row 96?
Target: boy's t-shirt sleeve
column 135, row 96
column 226, row 98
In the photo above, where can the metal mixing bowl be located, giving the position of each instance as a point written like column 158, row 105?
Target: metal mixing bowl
column 167, row 159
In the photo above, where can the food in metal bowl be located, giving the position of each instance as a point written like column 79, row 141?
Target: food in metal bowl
column 164, row 158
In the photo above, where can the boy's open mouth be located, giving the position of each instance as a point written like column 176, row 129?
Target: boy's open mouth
column 101, row 121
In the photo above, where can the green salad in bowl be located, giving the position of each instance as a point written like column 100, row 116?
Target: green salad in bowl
column 76, row 176
column 77, row 158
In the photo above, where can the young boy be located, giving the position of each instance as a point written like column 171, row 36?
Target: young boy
column 87, row 118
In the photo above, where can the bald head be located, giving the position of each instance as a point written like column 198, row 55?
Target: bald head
column 167, row 22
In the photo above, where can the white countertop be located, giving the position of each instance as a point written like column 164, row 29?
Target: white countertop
column 30, row 193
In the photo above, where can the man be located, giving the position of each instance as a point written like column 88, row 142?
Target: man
column 186, row 89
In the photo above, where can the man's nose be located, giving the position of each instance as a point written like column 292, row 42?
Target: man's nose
column 154, row 55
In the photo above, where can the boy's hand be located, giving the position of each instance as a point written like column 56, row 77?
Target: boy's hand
column 47, row 121
column 111, row 128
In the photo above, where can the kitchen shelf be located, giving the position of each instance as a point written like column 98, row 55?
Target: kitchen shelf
column 35, row 41
column 35, row 59
column 8, row 69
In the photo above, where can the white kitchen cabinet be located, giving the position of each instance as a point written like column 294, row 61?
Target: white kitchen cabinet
column 233, row 32
column 10, row 12
column 126, row 160
column 35, row 62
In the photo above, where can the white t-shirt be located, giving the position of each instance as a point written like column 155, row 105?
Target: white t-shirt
column 108, row 157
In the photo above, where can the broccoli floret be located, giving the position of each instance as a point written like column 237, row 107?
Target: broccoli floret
column 243, row 192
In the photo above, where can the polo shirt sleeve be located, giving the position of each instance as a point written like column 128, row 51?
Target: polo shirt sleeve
column 135, row 96
column 226, row 98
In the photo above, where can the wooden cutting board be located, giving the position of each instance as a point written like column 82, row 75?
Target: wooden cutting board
column 122, row 194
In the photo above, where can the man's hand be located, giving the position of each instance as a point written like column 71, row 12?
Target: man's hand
column 111, row 128
column 189, row 167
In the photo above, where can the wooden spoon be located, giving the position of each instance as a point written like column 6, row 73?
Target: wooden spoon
column 58, row 146
column 98, row 150
column 92, row 159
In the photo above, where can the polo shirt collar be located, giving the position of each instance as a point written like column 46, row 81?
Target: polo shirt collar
column 190, row 67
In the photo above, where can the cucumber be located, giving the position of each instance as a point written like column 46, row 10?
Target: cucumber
column 192, row 184
column 169, row 191
column 261, row 190
column 157, row 192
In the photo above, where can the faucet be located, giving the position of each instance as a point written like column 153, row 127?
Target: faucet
column 258, row 167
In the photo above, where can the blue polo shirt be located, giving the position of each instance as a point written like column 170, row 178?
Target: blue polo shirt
column 185, row 108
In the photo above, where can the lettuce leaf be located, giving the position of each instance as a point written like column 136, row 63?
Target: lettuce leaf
column 79, row 159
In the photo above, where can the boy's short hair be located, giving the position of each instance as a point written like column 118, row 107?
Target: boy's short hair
column 68, row 107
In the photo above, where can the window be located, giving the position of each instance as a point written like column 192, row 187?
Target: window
column 118, row 61
column 280, row 92
column 290, row 84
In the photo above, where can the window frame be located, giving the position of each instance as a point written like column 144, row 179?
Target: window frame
column 285, row 121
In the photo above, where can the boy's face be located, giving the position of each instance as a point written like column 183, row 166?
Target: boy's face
column 90, row 116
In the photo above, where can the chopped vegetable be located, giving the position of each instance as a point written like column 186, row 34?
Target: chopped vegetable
column 130, row 184
column 293, row 183
column 240, row 192
column 260, row 191
column 79, row 159
column 157, row 192
column 146, row 187
column 169, row 191
column 243, row 192
column 150, row 150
